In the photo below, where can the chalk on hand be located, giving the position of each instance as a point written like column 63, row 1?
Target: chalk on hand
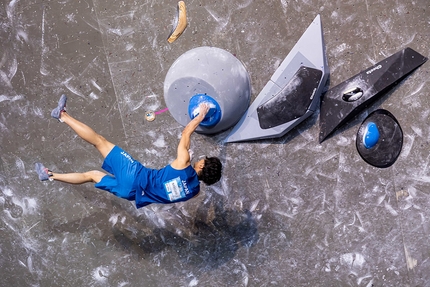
column 196, row 111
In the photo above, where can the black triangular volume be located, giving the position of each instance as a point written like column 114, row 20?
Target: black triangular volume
column 344, row 101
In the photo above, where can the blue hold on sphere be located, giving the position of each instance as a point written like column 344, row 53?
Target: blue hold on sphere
column 214, row 114
column 371, row 135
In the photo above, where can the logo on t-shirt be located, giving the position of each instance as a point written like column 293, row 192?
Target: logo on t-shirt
column 127, row 156
column 185, row 185
column 174, row 189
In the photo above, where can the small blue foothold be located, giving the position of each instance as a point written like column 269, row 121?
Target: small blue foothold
column 371, row 135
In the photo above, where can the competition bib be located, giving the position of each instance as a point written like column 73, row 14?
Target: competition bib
column 174, row 189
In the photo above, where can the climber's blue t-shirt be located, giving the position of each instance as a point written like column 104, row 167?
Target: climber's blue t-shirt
column 133, row 181
column 165, row 185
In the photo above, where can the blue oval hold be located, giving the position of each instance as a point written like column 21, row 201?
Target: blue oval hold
column 371, row 135
column 214, row 114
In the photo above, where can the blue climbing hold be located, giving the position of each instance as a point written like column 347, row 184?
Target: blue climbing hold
column 214, row 114
column 371, row 135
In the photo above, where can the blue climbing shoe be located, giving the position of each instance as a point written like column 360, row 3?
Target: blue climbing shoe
column 56, row 113
column 42, row 172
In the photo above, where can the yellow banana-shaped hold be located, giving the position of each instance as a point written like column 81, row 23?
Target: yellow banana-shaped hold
column 180, row 22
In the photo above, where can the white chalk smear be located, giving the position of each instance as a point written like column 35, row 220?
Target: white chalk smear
column 73, row 90
column 129, row 46
column 390, row 209
column 12, row 99
column 121, row 32
column 19, row 163
column 100, row 274
column 5, row 79
column 7, row 191
column 417, row 130
column 407, row 146
column 193, row 282
column 410, row 261
column 422, row 179
column 137, row 106
column 222, row 21
column 386, row 25
column 218, row 190
column 30, row 264
column 282, row 236
column 12, row 70
column 20, row 34
column 28, row 205
column 10, row 9
column 380, row 199
column 341, row 48
column 32, row 226
column 342, row 141
column 353, row 260
column 372, row 61
column 407, row 41
column 160, row 142
column 71, row 18
column 153, row 152
column 283, row 213
column 284, row 4
column 362, row 278
column 185, row 212
column 12, row 3
column 38, row 111
column 350, row 18
column 96, row 85
column 254, row 205
column 93, row 96
column 114, row 219
column 22, row 263
column 245, row 4
column 417, row 90
column 43, row 70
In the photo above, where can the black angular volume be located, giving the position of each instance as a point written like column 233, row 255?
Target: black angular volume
column 344, row 101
